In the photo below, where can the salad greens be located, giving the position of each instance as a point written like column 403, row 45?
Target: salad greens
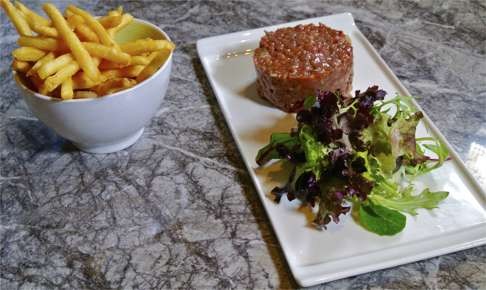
column 381, row 220
column 357, row 152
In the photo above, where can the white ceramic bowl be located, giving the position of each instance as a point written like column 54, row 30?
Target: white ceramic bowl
column 109, row 123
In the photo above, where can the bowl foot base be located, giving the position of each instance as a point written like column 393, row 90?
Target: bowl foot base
column 110, row 147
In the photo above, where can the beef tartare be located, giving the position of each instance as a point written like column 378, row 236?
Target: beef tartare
column 293, row 63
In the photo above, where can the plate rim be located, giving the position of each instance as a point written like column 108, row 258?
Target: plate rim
column 305, row 280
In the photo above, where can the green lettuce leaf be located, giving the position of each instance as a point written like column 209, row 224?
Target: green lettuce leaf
column 377, row 135
column 381, row 220
column 409, row 203
column 361, row 150
column 384, row 184
column 438, row 148
column 309, row 102
column 270, row 152
column 402, row 137
column 315, row 152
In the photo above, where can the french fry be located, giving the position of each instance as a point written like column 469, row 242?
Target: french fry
column 46, row 58
column 154, row 65
column 28, row 53
column 111, row 74
column 126, row 72
column 30, row 14
column 132, row 71
column 126, row 19
column 113, row 13
column 53, row 66
column 42, row 43
column 73, row 19
column 107, row 52
column 116, row 12
column 107, row 65
column 96, row 60
column 81, row 81
column 20, row 66
column 85, row 94
column 152, row 55
column 42, row 89
column 45, row 30
column 127, row 83
column 77, row 49
column 140, row 60
column 146, row 45
column 110, row 21
column 114, row 85
column 85, row 33
column 83, row 45
column 36, row 22
column 18, row 21
column 54, row 81
column 143, row 60
column 68, row 13
column 94, row 25
column 67, row 89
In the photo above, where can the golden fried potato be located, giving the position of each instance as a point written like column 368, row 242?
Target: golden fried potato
column 154, row 65
column 146, row 45
column 94, row 25
column 67, row 89
column 46, row 58
column 21, row 66
column 75, row 55
column 107, row 52
column 18, row 21
column 110, row 21
column 143, row 59
column 81, row 81
column 54, row 81
column 45, row 30
column 126, row 19
column 42, row 43
column 77, row 49
column 127, row 72
column 85, row 33
column 85, row 94
column 28, row 53
column 117, row 12
column 114, row 85
column 73, row 19
column 30, row 14
column 55, row 65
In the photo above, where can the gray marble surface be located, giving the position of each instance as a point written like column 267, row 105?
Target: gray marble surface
column 177, row 209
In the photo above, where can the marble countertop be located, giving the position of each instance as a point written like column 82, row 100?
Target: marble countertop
column 177, row 209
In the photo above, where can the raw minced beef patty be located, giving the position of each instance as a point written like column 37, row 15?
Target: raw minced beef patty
column 293, row 63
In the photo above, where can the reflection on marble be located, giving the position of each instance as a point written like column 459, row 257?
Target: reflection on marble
column 177, row 210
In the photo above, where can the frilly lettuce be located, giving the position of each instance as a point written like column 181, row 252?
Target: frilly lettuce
column 359, row 151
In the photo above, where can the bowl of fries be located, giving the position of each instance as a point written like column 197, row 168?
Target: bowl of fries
column 96, row 81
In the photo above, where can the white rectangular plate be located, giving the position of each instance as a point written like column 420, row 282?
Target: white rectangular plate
column 344, row 249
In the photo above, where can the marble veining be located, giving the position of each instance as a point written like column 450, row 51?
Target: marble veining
column 177, row 209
